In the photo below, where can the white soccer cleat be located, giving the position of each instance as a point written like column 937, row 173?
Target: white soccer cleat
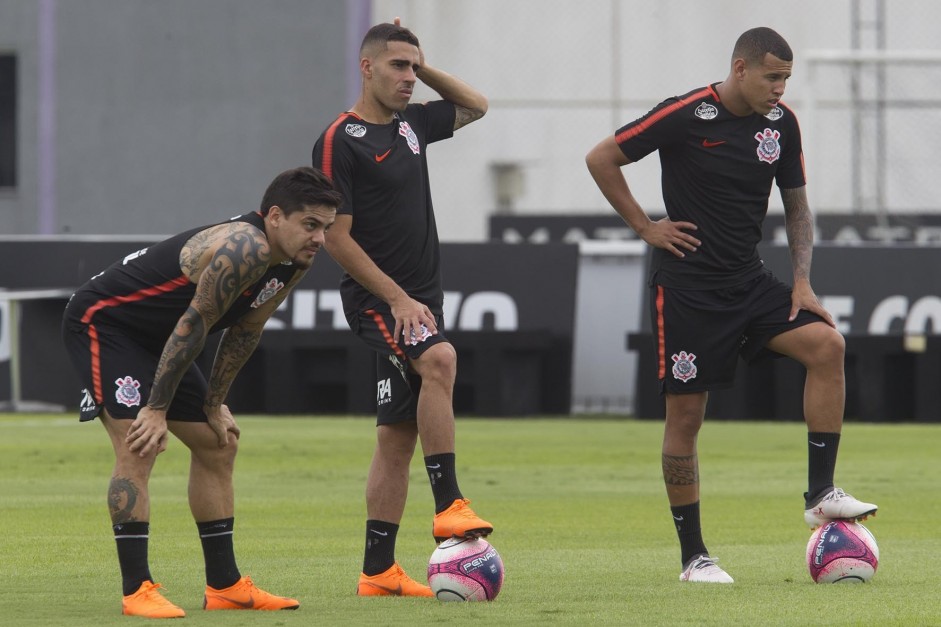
column 837, row 505
column 705, row 570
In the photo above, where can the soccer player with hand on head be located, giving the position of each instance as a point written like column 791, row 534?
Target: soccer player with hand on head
column 721, row 147
column 133, row 333
column 386, row 240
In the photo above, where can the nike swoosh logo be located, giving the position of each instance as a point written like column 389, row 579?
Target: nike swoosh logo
column 397, row 591
column 380, row 533
column 435, row 467
column 711, row 144
column 380, row 158
column 243, row 604
column 678, row 518
column 821, row 444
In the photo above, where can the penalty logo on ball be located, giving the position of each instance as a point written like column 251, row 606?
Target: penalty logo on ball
column 842, row 551
column 465, row 569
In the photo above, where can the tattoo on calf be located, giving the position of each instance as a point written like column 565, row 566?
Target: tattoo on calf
column 122, row 498
column 680, row 469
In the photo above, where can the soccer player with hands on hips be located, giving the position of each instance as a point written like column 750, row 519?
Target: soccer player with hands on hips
column 721, row 147
column 133, row 332
column 386, row 240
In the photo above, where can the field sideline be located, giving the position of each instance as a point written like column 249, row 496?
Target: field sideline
column 581, row 521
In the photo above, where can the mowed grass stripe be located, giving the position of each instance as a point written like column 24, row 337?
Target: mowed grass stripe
column 581, row 519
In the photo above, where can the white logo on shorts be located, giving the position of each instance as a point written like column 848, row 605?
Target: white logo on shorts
column 683, row 367
column 128, row 392
column 383, row 391
column 414, row 338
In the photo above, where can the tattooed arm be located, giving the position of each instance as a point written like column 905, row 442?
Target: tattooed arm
column 800, row 238
column 236, row 346
column 224, row 261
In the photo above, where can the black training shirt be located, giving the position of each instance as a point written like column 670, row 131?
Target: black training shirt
column 717, row 170
column 382, row 172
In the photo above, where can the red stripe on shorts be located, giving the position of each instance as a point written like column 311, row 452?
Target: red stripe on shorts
column 381, row 324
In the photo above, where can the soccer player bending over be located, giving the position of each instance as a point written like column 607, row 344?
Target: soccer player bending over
column 133, row 333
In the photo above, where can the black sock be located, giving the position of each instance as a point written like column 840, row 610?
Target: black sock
column 689, row 530
column 216, row 537
column 380, row 547
column 131, row 538
column 443, row 479
column 821, row 463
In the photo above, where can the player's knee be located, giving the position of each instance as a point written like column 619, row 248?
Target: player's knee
column 211, row 455
column 829, row 351
column 398, row 439
column 438, row 363
column 131, row 465
column 684, row 425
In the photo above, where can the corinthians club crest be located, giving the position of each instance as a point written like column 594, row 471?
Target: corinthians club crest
column 271, row 288
column 128, row 391
column 769, row 149
column 410, row 137
column 683, row 367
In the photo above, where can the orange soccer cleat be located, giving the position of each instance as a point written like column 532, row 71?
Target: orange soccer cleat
column 148, row 602
column 460, row 521
column 392, row 582
column 245, row 595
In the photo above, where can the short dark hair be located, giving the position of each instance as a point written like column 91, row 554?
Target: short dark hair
column 294, row 189
column 754, row 44
column 382, row 34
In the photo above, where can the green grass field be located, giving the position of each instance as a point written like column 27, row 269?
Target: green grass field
column 581, row 518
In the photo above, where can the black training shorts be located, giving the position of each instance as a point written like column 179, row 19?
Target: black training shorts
column 700, row 334
column 118, row 373
column 397, row 386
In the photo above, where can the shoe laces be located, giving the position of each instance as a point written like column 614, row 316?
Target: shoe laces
column 704, row 563
column 151, row 593
column 397, row 572
column 463, row 509
column 835, row 494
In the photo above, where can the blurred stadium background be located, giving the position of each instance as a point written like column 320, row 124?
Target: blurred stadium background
column 124, row 119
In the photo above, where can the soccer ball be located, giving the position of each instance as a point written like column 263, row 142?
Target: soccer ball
column 465, row 569
column 842, row 550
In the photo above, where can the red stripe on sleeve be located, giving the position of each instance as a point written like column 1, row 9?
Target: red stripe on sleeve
column 328, row 143
column 639, row 128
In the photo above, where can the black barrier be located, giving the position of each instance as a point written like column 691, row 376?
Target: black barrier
column 842, row 229
column 887, row 303
column 509, row 311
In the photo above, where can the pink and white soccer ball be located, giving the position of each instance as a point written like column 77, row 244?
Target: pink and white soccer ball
column 463, row 569
column 842, row 551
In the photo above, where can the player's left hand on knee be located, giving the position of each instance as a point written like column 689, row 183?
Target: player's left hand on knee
column 222, row 423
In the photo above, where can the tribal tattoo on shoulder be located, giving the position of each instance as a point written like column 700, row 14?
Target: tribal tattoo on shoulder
column 240, row 259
